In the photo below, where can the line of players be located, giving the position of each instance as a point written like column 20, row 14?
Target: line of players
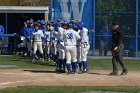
column 66, row 43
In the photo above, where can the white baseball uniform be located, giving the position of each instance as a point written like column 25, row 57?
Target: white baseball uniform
column 84, row 44
column 54, row 42
column 70, row 38
column 37, row 41
column 61, row 50
column 47, row 36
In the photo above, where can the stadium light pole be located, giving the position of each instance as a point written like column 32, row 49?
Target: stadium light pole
column 50, row 10
column 137, row 23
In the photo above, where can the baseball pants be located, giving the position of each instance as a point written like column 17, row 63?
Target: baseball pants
column 71, row 54
column 37, row 45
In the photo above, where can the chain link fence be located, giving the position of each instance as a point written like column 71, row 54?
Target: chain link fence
column 124, row 13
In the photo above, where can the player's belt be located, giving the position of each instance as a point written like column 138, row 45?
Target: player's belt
column 70, row 45
column 37, row 41
column 83, row 42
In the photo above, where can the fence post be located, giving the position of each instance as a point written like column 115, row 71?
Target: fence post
column 50, row 10
column 137, row 22
column 93, row 38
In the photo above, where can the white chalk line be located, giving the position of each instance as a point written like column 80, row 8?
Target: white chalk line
column 19, row 81
column 29, row 73
column 7, row 83
column 15, row 73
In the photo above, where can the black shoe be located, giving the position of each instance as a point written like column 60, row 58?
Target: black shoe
column 59, row 71
column 85, row 71
column 124, row 72
column 113, row 74
column 62, row 71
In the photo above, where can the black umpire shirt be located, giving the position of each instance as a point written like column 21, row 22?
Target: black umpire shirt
column 116, row 38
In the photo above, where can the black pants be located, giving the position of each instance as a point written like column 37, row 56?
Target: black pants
column 118, row 59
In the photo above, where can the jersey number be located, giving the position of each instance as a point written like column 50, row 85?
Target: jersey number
column 38, row 37
column 69, row 36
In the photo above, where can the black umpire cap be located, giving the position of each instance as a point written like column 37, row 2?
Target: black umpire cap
column 115, row 23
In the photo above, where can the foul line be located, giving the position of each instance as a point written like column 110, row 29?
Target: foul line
column 6, row 83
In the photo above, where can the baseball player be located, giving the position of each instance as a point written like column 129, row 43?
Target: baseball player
column 43, row 28
column 37, row 42
column 84, row 47
column 47, row 36
column 53, row 40
column 70, row 38
column 50, row 39
column 60, row 63
column 78, row 49
column 27, row 33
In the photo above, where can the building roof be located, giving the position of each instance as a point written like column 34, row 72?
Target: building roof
column 24, row 9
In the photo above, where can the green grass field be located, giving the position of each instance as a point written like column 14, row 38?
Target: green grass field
column 64, row 89
column 94, row 64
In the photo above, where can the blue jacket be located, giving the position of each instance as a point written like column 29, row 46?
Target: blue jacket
column 27, row 33
column 104, row 35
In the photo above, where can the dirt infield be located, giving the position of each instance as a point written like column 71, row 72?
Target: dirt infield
column 23, row 77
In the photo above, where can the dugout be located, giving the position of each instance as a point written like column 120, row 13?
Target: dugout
column 13, row 17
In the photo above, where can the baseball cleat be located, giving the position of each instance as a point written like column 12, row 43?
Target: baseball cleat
column 113, row 74
column 36, row 57
column 124, row 72
column 43, row 60
column 33, row 61
column 85, row 71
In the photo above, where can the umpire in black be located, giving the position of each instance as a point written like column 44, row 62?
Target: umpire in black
column 117, row 50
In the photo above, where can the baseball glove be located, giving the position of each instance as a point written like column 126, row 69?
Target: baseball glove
column 115, row 51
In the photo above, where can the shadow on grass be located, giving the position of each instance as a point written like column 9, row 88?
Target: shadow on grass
column 28, row 61
column 38, row 62
column 40, row 71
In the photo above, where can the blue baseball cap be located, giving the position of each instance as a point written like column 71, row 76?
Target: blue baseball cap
column 43, row 22
column 36, row 24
